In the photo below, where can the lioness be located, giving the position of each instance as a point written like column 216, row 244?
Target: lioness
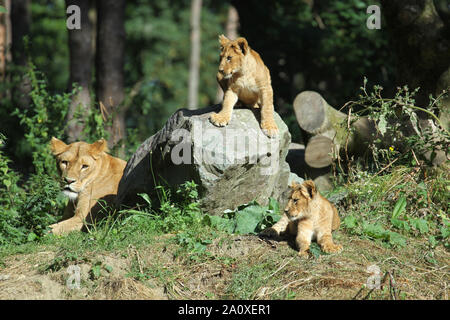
column 89, row 174
column 308, row 216
column 244, row 77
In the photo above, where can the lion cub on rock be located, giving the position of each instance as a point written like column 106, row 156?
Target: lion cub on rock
column 89, row 174
column 244, row 77
column 308, row 216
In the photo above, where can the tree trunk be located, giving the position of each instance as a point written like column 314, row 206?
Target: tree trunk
column 196, row 9
column 5, row 40
column 80, row 47
column 420, row 35
column 21, row 22
column 109, row 66
column 231, row 32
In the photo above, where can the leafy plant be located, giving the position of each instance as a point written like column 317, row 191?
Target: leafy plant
column 46, row 118
column 399, row 133
column 250, row 218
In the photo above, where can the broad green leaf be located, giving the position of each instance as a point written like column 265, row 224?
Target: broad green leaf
column 315, row 250
column 247, row 219
column 400, row 206
column 349, row 222
column 400, row 224
column 274, row 205
column 375, row 230
column 227, row 225
column 146, row 198
column 7, row 183
column 419, row 224
column 396, row 239
column 445, row 232
column 382, row 125
column 433, row 242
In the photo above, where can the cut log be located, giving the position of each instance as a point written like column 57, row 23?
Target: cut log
column 318, row 152
column 296, row 160
column 330, row 131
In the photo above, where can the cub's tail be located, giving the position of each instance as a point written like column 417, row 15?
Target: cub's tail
column 336, row 220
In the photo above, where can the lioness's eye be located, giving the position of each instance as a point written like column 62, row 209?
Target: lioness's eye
column 229, row 58
column 64, row 162
column 84, row 166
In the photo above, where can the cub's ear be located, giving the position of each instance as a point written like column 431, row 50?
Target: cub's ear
column 98, row 147
column 294, row 185
column 57, row 146
column 309, row 188
column 223, row 40
column 243, row 45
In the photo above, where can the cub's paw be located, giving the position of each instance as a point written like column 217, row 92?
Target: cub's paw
column 270, row 129
column 219, row 119
column 331, row 248
column 269, row 233
column 303, row 254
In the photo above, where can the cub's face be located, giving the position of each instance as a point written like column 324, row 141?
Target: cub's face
column 77, row 164
column 299, row 202
column 232, row 53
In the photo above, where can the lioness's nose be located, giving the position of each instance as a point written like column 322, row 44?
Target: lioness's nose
column 69, row 180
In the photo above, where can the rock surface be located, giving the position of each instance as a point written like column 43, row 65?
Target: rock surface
column 232, row 165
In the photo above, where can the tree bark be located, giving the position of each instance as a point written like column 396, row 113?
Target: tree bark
column 80, row 48
column 109, row 66
column 196, row 9
column 420, row 35
column 231, row 32
column 21, row 22
column 5, row 39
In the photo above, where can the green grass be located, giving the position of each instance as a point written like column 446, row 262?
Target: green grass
column 392, row 207
column 175, row 246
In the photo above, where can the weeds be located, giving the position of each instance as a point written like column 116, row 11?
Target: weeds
column 394, row 192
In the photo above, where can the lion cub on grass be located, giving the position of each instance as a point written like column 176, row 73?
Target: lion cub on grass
column 308, row 216
column 243, row 76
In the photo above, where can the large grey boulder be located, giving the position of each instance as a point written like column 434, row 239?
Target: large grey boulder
column 232, row 165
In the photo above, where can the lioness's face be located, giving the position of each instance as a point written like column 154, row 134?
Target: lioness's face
column 232, row 54
column 77, row 164
column 299, row 202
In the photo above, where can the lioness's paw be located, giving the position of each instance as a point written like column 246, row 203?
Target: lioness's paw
column 65, row 227
column 270, row 129
column 219, row 119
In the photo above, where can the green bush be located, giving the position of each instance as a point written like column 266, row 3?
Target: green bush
column 26, row 212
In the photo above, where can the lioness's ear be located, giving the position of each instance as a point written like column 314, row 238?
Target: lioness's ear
column 57, row 146
column 98, row 147
column 310, row 188
column 223, row 40
column 243, row 44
